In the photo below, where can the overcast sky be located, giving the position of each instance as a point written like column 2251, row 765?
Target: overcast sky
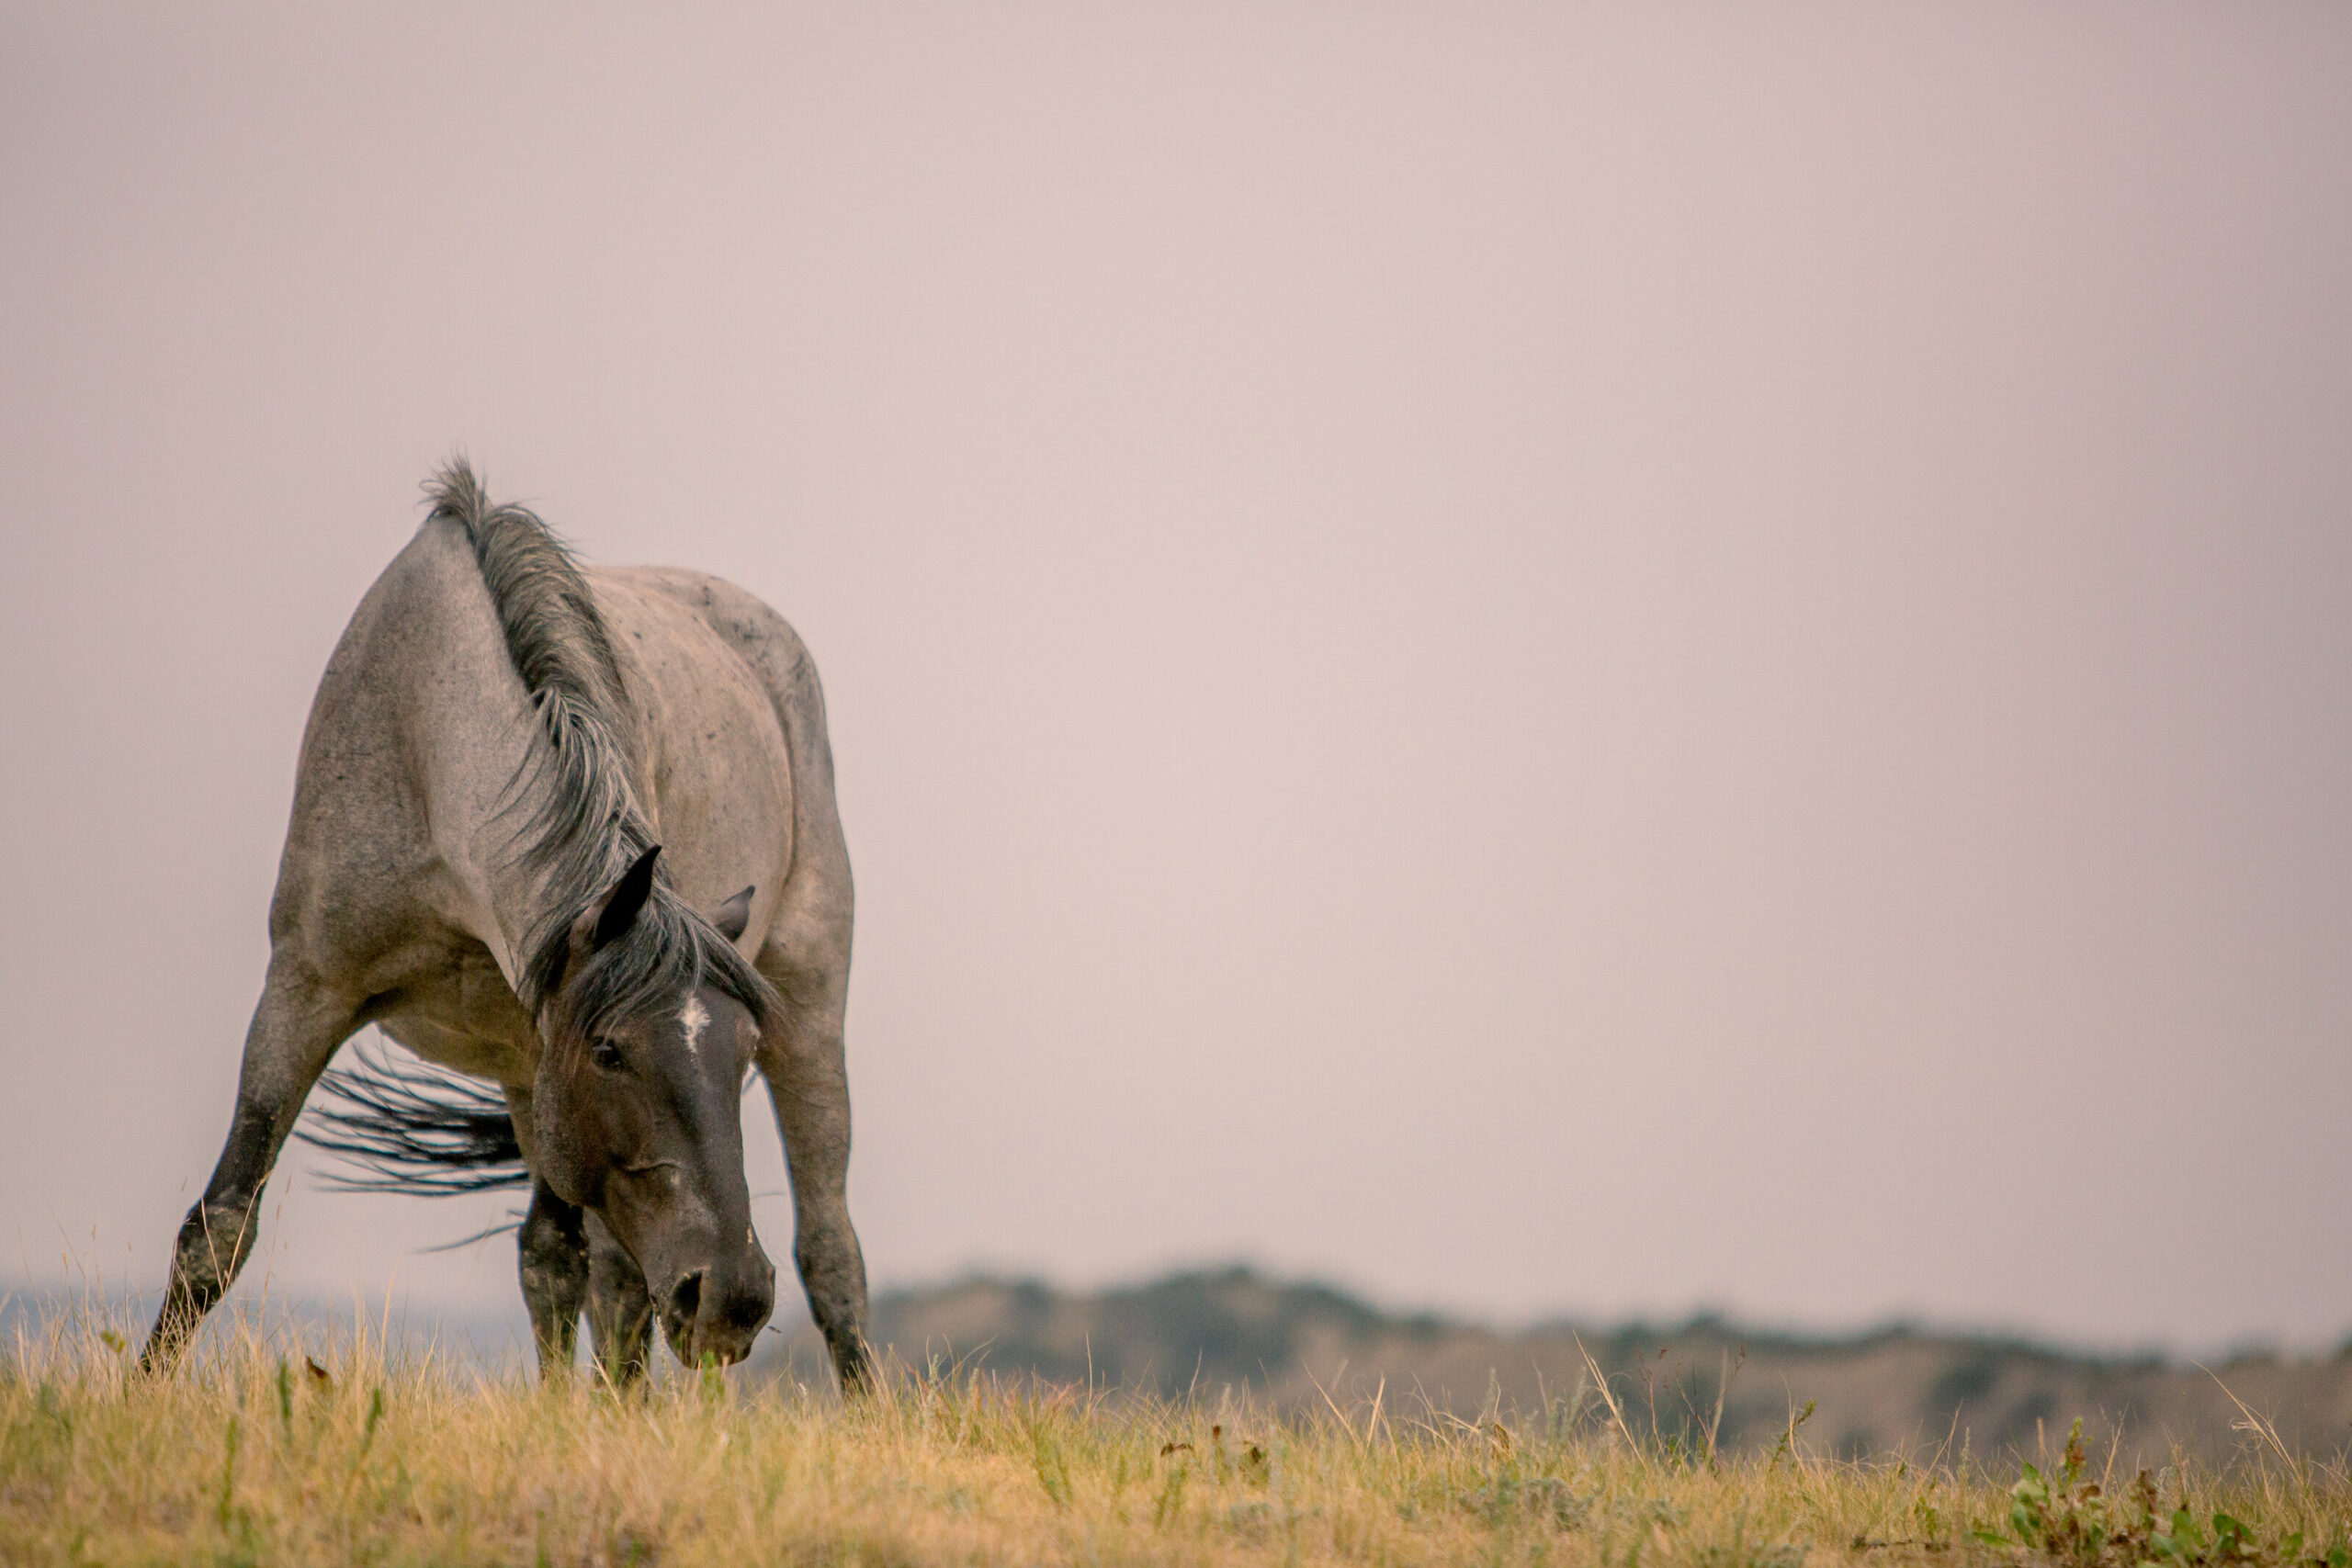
column 1537, row 658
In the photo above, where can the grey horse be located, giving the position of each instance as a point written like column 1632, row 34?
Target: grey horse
column 530, row 799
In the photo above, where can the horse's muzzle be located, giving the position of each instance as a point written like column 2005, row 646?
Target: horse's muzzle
column 708, row 1313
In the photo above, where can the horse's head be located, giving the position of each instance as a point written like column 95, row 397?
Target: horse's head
column 650, row 1035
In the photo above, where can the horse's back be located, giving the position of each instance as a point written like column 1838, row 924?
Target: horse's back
column 716, row 771
column 804, row 922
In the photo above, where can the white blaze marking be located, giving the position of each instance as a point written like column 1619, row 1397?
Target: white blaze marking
column 693, row 1019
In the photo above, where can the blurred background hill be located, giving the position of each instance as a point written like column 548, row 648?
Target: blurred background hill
column 1235, row 1333
column 1235, row 1336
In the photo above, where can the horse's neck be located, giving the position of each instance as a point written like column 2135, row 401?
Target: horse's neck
column 525, row 905
column 516, row 904
column 521, row 899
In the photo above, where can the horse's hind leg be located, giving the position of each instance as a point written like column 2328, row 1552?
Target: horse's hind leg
column 295, row 1028
column 568, row 1260
column 620, row 1309
column 550, row 1255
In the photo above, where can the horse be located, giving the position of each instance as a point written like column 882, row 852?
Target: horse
column 570, row 832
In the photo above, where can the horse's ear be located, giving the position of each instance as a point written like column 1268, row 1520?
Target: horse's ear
column 735, row 915
column 611, row 914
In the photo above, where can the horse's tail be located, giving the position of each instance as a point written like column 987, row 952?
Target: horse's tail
column 412, row 1127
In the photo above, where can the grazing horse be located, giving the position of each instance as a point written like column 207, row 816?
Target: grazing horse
column 528, row 794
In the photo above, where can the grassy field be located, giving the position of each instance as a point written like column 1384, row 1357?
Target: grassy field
column 268, row 1448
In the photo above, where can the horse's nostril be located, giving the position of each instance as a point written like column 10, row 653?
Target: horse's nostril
column 685, row 1301
column 747, row 1310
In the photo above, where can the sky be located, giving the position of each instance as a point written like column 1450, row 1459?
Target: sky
column 1537, row 660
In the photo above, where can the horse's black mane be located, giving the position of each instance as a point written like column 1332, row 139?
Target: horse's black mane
column 579, row 827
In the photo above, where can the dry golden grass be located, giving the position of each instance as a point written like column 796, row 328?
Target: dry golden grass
column 251, row 1455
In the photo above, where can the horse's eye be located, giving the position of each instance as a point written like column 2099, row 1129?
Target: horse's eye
column 606, row 1054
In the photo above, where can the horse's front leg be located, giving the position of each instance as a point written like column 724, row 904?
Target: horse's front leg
column 801, row 1057
column 296, row 1027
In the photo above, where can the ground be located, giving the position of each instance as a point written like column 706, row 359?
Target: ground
column 272, row 1448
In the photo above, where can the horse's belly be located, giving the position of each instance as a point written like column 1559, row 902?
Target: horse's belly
column 464, row 1016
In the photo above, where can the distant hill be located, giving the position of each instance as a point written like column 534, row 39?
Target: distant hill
column 1276, row 1342
column 1289, row 1343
